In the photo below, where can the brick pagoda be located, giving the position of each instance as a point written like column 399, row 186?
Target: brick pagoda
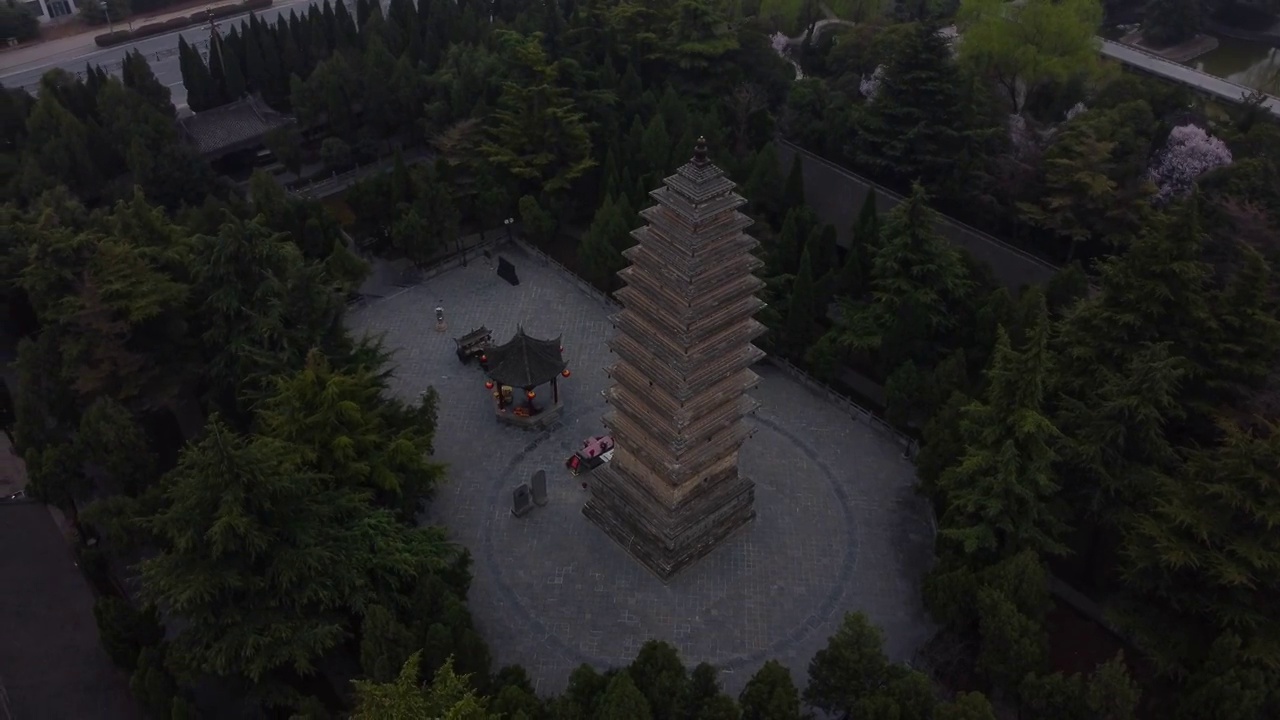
column 672, row 492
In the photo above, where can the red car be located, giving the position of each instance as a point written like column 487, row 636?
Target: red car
column 595, row 452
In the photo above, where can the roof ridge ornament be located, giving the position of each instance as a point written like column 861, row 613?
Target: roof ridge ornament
column 700, row 153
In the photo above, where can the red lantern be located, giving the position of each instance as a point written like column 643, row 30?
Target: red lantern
column 565, row 372
column 531, row 394
column 488, row 384
column 561, row 348
column 484, row 358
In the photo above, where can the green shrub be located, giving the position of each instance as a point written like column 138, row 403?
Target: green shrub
column 16, row 21
column 112, row 38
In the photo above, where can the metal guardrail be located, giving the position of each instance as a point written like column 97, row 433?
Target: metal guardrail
column 582, row 284
column 909, row 446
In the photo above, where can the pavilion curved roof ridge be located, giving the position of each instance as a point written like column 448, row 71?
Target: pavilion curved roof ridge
column 525, row 361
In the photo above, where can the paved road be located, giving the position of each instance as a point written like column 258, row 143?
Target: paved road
column 161, row 51
column 1170, row 70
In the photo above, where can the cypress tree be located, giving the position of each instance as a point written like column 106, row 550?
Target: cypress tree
column 793, row 191
column 655, row 147
column 764, row 185
column 217, row 75
column 600, row 250
column 802, row 326
column 299, row 32
column 347, row 32
column 317, row 42
column 362, row 12
column 257, row 76
column 330, row 20
column 826, row 262
column 235, row 81
column 190, row 80
column 291, row 57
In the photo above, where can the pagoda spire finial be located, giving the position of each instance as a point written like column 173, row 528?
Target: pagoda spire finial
column 700, row 152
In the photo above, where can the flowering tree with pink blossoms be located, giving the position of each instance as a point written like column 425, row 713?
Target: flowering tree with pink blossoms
column 780, row 43
column 1189, row 153
column 870, row 84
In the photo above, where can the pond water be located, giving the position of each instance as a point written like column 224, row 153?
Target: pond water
column 1251, row 64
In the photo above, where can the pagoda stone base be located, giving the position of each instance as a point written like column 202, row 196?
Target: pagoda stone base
column 663, row 539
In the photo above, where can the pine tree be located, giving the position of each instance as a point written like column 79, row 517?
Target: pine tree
column 771, row 694
column 622, row 700
column 536, row 135
column 661, row 677
column 281, row 556
column 354, row 435
column 1202, row 556
column 263, row 308
column 1248, row 341
column 919, row 126
column 917, row 281
column 1000, row 495
column 851, row 667
column 966, row 706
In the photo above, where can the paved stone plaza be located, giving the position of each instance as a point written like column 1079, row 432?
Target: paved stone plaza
column 838, row 528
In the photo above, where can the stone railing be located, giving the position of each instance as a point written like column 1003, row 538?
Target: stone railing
column 909, row 446
column 582, row 284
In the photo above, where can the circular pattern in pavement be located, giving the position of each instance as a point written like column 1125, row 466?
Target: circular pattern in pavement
column 564, row 583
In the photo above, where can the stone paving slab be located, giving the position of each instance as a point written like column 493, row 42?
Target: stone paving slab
column 838, row 528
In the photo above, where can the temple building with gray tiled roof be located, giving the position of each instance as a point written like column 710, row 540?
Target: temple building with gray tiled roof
column 233, row 127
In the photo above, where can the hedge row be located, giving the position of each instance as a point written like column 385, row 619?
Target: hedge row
column 179, row 23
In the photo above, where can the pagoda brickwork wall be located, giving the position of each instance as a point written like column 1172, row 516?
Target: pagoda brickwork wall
column 683, row 352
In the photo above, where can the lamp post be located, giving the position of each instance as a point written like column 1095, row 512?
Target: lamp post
column 106, row 10
column 462, row 249
column 509, row 222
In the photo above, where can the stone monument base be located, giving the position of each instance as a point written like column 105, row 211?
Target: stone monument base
column 667, row 540
column 541, row 421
